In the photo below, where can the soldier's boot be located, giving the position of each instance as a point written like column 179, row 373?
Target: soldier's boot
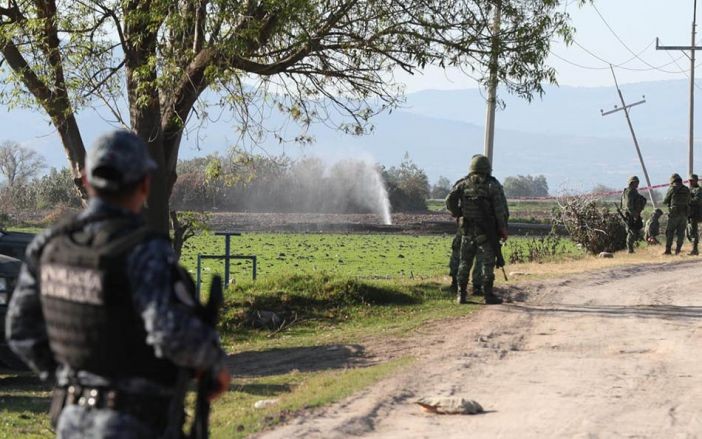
column 695, row 250
column 477, row 290
column 490, row 297
column 462, row 295
column 454, row 284
column 667, row 250
column 678, row 249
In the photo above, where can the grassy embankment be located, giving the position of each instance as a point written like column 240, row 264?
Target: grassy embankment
column 332, row 290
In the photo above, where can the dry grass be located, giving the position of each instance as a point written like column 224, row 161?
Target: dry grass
column 644, row 255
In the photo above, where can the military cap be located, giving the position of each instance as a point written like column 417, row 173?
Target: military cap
column 633, row 179
column 117, row 159
column 693, row 177
column 675, row 177
column 480, row 164
column 657, row 212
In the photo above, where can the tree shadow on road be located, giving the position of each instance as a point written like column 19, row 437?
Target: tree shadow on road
column 304, row 359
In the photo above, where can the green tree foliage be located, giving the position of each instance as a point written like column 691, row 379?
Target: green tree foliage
column 526, row 186
column 407, row 186
column 56, row 188
column 441, row 188
column 313, row 59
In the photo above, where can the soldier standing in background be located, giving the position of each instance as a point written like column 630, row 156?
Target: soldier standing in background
column 455, row 259
column 695, row 214
column 480, row 202
column 678, row 201
column 632, row 204
column 103, row 307
column 653, row 227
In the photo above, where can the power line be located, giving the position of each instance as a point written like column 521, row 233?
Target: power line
column 684, row 72
column 576, row 64
column 626, row 46
column 636, row 56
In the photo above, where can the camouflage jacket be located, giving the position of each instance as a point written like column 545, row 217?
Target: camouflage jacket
column 678, row 200
column 696, row 203
column 172, row 328
column 496, row 195
column 632, row 202
column 653, row 227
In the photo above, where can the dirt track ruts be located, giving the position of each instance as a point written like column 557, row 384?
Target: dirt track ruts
column 599, row 355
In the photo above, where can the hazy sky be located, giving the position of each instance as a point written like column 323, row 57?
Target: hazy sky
column 636, row 22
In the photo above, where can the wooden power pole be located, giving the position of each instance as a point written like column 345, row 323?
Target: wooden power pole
column 625, row 108
column 692, row 48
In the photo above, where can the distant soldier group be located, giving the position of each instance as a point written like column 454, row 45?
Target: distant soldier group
column 684, row 214
column 478, row 203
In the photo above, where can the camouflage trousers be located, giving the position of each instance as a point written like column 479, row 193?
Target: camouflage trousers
column 675, row 229
column 474, row 250
column 83, row 422
column 632, row 235
column 693, row 233
column 476, row 274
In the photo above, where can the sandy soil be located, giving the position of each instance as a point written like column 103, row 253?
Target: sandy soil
column 600, row 355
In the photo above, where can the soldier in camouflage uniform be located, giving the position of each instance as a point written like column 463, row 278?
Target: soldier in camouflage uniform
column 102, row 307
column 678, row 201
column 695, row 214
column 480, row 202
column 477, row 270
column 632, row 204
column 653, row 227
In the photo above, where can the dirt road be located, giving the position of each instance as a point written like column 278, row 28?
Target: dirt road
column 609, row 354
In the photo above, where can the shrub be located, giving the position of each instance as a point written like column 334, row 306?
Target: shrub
column 591, row 224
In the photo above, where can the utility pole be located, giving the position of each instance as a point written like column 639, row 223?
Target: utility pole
column 626, row 108
column 692, row 48
column 492, row 83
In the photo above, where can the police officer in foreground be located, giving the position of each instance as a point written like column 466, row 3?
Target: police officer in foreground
column 695, row 214
column 632, row 204
column 678, row 201
column 102, row 306
column 479, row 200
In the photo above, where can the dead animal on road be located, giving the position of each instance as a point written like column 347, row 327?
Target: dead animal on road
column 449, row 405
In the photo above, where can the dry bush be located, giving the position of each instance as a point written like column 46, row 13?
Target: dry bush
column 591, row 223
column 59, row 213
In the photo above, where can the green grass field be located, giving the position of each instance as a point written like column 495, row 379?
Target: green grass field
column 354, row 255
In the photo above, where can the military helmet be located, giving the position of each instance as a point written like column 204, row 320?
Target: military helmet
column 657, row 212
column 693, row 177
column 633, row 179
column 675, row 177
column 480, row 164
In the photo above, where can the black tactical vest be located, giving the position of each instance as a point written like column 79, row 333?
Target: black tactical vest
column 87, row 303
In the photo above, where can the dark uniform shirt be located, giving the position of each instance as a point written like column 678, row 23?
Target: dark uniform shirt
column 174, row 332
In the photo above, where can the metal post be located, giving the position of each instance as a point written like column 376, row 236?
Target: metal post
column 492, row 84
column 198, row 277
column 227, row 253
column 254, row 268
column 625, row 108
column 691, row 159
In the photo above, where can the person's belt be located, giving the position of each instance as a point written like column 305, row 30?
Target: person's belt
column 149, row 409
